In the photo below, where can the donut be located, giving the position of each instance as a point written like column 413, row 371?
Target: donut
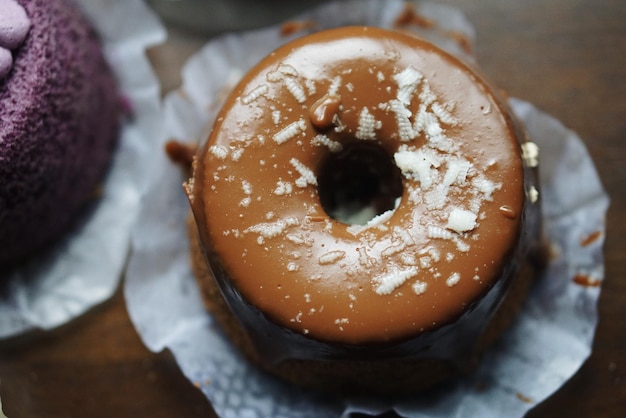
column 365, row 210
column 59, row 112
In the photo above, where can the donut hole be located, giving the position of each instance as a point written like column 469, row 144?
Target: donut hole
column 358, row 183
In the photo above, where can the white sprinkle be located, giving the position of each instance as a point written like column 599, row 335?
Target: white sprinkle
column 533, row 194
column 188, row 187
column 245, row 202
column 376, row 221
column 429, row 123
column 282, row 71
column 296, row 90
column 247, row 187
column 272, row 229
column 306, row 174
column 367, row 123
column 419, row 287
column 339, row 125
column 434, row 254
column 288, row 70
column 364, row 259
column 276, row 117
column 387, row 283
column 331, row 257
column 432, row 128
column 322, row 139
column 255, row 94
column 453, row 279
column 296, row 239
column 380, row 76
column 219, row 151
column 530, row 154
column 407, row 81
column 236, row 154
column 405, row 129
column 443, row 114
column 290, row 131
column 274, row 76
column 408, row 259
column 437, row 232
column 405, row 240
column 457, row 171
column 461, row 220
column 298, row 317
column 393, row 249
column 420, row 120
column 415, row 162
column 485, row 186
column 341, row 321
column 427, row 97
column 283, row 188
column 292, row 267
column 404, row 235
column 461, row 246
column 334, row 86
column 310, row 86
column 436, row 198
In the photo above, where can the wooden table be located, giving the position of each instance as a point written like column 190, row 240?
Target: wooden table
column 566, row 56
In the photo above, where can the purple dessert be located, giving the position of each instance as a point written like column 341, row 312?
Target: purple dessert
column 58, row 126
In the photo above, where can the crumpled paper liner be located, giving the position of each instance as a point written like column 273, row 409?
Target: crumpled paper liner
column 85, row 268
column 546, row 345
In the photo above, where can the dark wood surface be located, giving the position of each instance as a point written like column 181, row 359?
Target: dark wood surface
column 566, row 56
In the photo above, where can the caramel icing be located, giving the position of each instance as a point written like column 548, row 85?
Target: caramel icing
column 428, row 270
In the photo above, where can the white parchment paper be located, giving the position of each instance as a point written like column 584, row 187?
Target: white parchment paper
column 85, row 268
column 547, row 344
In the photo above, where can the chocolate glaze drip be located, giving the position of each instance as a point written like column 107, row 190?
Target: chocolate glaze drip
column 422, row 279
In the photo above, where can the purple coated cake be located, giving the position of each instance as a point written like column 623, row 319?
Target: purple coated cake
column 59, row 123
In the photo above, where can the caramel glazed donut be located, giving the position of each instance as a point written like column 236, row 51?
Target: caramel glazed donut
column 364, row 202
